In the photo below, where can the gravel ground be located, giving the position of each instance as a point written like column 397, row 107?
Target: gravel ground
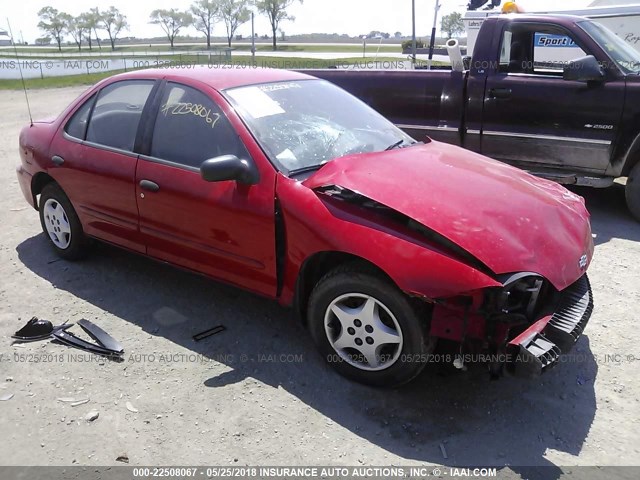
column 258, row 393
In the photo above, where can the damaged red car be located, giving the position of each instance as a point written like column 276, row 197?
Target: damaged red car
column 287, row 186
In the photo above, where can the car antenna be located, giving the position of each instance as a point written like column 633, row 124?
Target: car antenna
column 24, row 86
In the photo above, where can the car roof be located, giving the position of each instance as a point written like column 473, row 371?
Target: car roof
column 220, row 78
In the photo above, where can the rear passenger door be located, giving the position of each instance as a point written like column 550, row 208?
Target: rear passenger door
column 97, row 147
column 223, row 229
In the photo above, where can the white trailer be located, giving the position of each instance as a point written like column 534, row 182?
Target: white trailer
column 620, row 16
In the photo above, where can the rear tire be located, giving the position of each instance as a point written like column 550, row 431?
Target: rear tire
column 632, row 192
column 60, row 223
column 377, row 337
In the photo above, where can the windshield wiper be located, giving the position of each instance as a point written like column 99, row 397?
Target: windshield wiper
column 399, row 143
column 309, row 168
column 394, row 145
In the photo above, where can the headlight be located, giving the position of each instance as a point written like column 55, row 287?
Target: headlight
column 519, row 295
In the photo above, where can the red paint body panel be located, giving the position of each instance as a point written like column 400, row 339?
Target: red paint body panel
column 450, row 324
column 222, row 229
column 100, row 184
column 508, row 219
column 314, row 226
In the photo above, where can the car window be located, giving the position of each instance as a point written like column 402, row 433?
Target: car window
column 190, row 128
column 77, row 126
column 537, row 50
column 116, row 115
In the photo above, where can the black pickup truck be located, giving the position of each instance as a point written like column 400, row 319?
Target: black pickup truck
column 558, row 96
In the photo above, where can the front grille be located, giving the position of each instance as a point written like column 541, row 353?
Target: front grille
column 571, row 315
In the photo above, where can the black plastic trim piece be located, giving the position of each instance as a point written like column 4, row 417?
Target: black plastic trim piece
column 36, row 330
column 147, row 124
column 169, row 163
column 281, row 246
column 149, row 185
column 571, row 315
column 71, row 340
column 99, row 146
column 507, row 279
column 207, row 333
column 539, row 353
column 100, row 336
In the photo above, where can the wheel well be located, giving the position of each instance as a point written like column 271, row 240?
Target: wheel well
column 632, row 157
column 317, row 266
column 37, row 184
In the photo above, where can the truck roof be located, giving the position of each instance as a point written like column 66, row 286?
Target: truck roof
column 565, row 20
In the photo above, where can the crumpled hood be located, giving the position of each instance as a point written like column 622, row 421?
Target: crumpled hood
column 509, row 220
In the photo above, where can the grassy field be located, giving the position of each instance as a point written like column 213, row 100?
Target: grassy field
column 271, row 62
column 69, row 51
column 56, row 82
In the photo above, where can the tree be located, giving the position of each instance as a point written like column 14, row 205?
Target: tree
column 233, row 13
column 46, row 40
column 95, row 14
column 407, row 45
column 75, row 27
column 452, row 24
column 205, row 14
column 52, row 22
column 114, row 22
column 397, row 35
column 171, row 21
column 276, row 12
column 90, row 21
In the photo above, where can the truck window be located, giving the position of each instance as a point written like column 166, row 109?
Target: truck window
column 537, row 50
column 505, row 51
column 552, row 51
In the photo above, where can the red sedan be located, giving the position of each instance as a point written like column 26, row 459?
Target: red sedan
column 287, row 186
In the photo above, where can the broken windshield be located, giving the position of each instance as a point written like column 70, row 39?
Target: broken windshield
column 304, row 124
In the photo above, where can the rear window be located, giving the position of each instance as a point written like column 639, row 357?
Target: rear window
column 77, row 126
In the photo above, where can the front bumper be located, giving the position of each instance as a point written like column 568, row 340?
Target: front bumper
column 538, row 348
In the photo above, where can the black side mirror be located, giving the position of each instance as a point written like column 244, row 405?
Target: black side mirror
column 229, row 167
column 585, row 69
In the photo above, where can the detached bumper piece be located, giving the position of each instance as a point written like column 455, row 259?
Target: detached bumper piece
column 539, row 347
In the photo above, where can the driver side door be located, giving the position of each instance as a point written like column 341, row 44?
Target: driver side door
column 224, row 229
column 535, row 119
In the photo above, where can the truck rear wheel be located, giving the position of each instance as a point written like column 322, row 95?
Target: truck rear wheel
column 632, row 192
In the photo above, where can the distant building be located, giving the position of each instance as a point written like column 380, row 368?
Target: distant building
column 5, row 39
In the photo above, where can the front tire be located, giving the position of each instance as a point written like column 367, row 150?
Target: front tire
column 632, row 192
column 61, row 224
column 366, row 328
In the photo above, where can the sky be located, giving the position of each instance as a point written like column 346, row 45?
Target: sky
column 353, row 17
